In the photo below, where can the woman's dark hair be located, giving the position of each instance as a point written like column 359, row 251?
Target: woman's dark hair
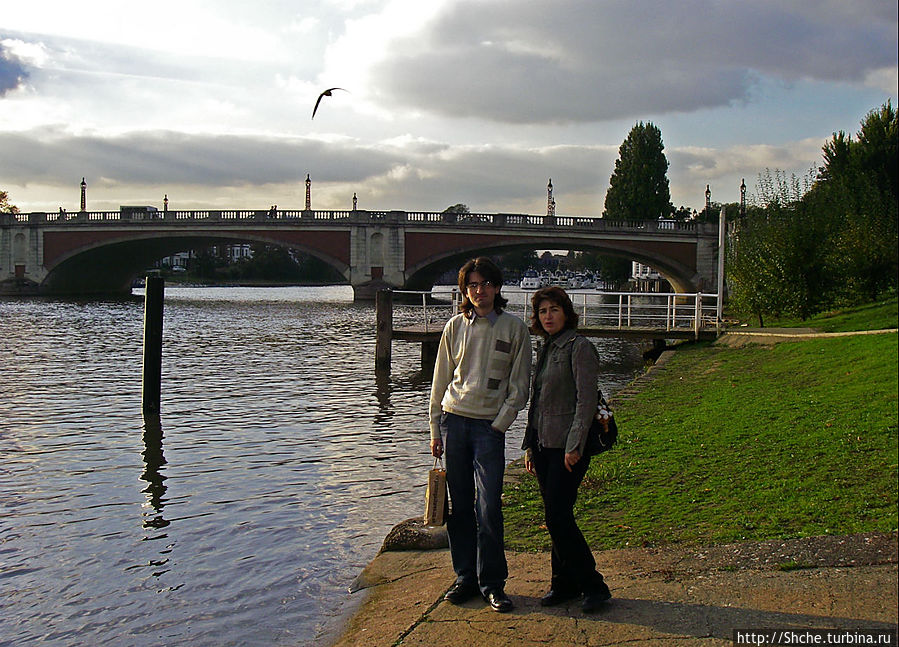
column 488, row 269
column 555, row 295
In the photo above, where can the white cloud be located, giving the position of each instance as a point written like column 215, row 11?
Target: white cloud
column 885, row 79
column 590, row 61
column 448, row 101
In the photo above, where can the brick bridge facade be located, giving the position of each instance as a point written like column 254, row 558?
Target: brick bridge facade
column 102, row 252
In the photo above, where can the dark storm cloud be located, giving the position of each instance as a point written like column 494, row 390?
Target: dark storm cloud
column 12, row 71
column 585, row 60
column 161, row 157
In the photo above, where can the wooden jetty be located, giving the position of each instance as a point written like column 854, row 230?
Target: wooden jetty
column 428, row 334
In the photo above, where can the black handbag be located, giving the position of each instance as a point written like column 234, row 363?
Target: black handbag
column 603, row 429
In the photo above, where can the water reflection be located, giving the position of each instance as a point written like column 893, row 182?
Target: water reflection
column 153, row 462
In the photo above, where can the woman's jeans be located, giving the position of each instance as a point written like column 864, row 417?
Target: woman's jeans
column 573, row 566
column 475, row 462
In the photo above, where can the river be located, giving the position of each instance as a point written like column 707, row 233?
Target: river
column 281, row 463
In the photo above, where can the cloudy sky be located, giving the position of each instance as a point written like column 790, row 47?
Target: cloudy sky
column 446, row 101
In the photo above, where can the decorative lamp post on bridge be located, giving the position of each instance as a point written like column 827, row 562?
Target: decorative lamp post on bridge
column 308, row 193
column 83, row 195
column 743, row 198
column 550, row 203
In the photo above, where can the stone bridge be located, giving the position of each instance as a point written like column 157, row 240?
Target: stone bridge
column 102, row 252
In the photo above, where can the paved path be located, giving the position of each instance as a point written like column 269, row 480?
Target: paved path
column 743, row 336
column 673, row 596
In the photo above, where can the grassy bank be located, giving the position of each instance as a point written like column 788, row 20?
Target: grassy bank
column 731, row 444
column 879, row 315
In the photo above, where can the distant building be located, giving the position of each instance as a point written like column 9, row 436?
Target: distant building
column 646, row 279
column 233, row 253
column 640, row 271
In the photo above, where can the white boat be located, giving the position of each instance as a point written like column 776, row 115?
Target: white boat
column 530, row 280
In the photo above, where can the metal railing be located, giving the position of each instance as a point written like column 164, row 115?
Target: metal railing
column 620, row 310
column 655, row 310
column 428, row 317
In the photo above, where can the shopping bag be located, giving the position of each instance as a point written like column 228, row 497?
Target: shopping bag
column 435, row 496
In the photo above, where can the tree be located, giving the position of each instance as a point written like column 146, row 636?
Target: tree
column 457, row 208
column 823, row 241
column 856, row 190
column 777, row 261
column 518, row 261
column 5, row 206
column 878, row 142
column 638, row 188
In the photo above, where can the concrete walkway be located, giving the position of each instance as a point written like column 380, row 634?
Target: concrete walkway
column 673, row 596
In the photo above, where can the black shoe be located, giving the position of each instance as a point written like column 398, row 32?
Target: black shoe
column 461, row 592
column 499, row 601
column 595, row 601
column 555, row 597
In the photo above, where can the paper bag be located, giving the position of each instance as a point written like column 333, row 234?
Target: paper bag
column 436, row 497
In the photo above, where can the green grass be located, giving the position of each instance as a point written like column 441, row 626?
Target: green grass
column 732, row 444
column 880, row 315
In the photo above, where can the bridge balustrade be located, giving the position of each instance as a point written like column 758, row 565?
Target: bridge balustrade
column 498, row 220
column 424, row 216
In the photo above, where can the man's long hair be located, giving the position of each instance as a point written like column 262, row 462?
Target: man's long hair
column 489, row 270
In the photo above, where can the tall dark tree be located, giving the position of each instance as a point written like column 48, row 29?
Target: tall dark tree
column 638, row 188
column 857, row 191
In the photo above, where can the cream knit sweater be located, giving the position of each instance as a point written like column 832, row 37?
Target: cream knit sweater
column 482, row 370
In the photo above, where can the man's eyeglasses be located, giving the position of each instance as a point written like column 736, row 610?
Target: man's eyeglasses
column 474, row 285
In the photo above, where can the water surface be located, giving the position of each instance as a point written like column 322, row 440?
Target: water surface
column 278, row 465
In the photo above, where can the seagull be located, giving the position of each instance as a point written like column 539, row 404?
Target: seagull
column 326, row 93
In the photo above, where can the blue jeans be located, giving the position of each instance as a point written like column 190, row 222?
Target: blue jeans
column 475, row 462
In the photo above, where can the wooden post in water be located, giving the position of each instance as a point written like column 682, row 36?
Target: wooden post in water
column 384, row 329
column 429, row 354
column 152, row 375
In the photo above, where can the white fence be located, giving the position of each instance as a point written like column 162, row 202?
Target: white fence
column 622, row 310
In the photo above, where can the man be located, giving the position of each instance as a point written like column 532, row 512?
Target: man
column 480, row 384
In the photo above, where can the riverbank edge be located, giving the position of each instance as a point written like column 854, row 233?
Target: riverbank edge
column 366, row 597
column 376, row 618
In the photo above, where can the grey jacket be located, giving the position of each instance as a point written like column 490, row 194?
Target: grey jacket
column 566, row 404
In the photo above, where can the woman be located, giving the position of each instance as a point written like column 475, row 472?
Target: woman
column 563, row 403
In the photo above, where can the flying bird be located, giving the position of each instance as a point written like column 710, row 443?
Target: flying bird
column 326, row 93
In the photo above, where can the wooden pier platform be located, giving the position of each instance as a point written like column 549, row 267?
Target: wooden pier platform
column 429, row 336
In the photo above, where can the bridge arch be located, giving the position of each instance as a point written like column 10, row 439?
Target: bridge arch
column 110, row 266
column 421, row 275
